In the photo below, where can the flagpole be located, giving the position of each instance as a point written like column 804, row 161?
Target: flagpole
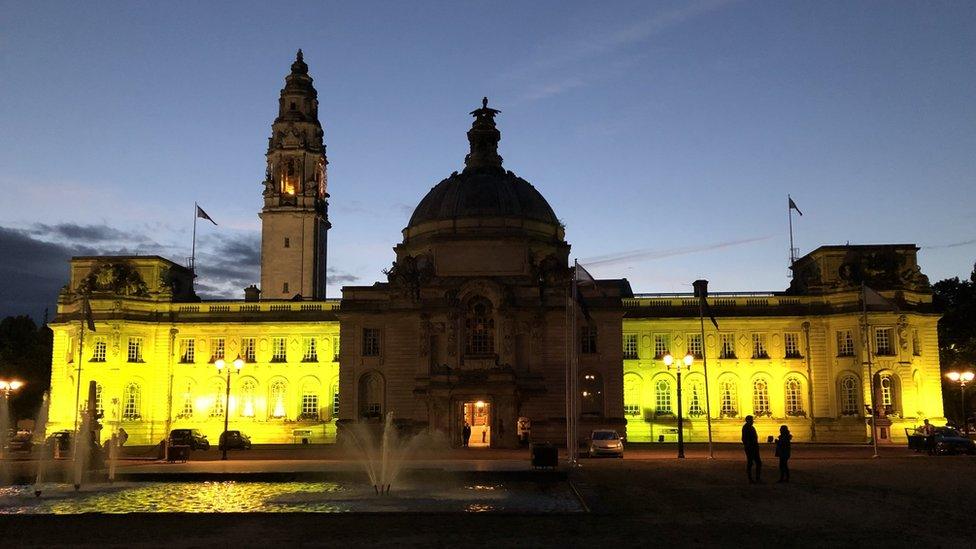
column 81, row 355
column 708, row 402
column 193, row 248
column 574, row 367
column 867, row 350
column 569, row 366
column 789, row 209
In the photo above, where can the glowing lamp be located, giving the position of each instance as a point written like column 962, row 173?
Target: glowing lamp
column 668, row 360
column 689, row 359
column 480, row 404
column 220, row 364
column 954, row 376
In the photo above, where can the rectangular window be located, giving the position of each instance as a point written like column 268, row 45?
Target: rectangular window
column 310, row 406
column 187, row 351
column 135, row 349
column 883, row 342
column 630, row 346
column 759, row 348
column 791, row 341
column 284, row 288
column 100, row 350
column 916, row 344
column 728, row 346
column 69, row 354
column 371, row 342
column 695, row 345
column 247, row 350
column 279, row 349
column 632, row 410
column 335, row 349
column 845, row 343
column 216, row 349
column 287, row 242
column 588, row 340
column 310, row 354
column 335, row 401
column 661, row 346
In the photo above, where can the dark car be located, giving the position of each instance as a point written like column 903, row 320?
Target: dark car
column 60, row 443
column 235, row 440
column 189, row 437
column 947, row 440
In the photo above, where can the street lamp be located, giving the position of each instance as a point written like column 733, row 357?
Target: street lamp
column 962, row 378
column 10, row 386
column 238, row 364
column 668, row 361
column 7, row 386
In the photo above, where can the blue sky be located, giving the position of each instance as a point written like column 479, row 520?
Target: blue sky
column 671, row 128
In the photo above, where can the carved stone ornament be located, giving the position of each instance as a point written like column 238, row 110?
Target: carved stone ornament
column 408, row 274
column 903, row 332
column 426, row 327
column 117, row 278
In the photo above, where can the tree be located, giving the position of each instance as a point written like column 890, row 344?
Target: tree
column 25, row 354
column 956, row 299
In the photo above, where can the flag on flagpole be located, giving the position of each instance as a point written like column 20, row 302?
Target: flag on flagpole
column 793, row 205
column 701, row 292
column 583, row 277
column 872, row 298
column 87, row 313
column 202, row 214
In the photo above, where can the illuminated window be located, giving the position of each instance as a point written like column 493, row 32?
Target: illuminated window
column 480, row 326
column 335, row 349
column 632, row 395
column 335, row 400
column 759, row 348
column 848, row 396
column 247, row 349
column 916, row 344
column 246, row 406
column 310, row 402
column 99, row 409
column 371, row 392
column 728, row 346
column 630, row 346
column 371, row 342
column 591, row 393
column 217, row 405
column 186, row 412
column 794, row 397
column 661, row 345
column 187, row 351
column 729, row 398
column 310, row 354
column 662, row 396
column 135, row 349
column 277, row 399
column 69, row 345
column 791, row 341
column 588, row 340
column 131, row 402
column 99, row 352
column 695, row 345
column 760, row 398
column 845, row 343
column 882, row 342
column 216, row 349
column 279, row 349
column 887, row 391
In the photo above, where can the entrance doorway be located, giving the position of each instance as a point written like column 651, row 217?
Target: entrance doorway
column 477, row 414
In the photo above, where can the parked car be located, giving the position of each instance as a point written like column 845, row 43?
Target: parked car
column 189, row 437
column 22, row 442
column 234, row 440
column 606, row 442
column 60, row 443
column 947, row 440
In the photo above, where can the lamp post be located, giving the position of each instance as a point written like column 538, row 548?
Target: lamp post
column 7, row 386
column 962, row 378
column 238, row 364
column 668, row 361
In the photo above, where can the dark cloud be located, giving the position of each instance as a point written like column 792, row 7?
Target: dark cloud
column 338, row 278
column 84, row 233
column 32, row 272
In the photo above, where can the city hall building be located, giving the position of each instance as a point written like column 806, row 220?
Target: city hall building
column 472, row 325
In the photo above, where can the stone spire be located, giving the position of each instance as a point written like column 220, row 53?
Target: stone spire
column 483, row 137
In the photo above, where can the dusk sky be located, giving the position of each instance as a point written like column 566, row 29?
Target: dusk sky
column 668, row 133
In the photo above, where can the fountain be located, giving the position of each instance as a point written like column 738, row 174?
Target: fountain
column 87, row 453
column 41, row 450
column 382, row 459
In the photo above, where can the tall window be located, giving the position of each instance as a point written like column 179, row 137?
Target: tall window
column 371, row 342
column 216, row 349
column 279, row 349
column 887, row 391
column 217, row 407
column 630, row 346
column 335, row 349
column 632, row 395
column 131, row 402
column 588, row 340
column 729, row 398
column 661, row 345
column 695, row 345
column 480, row 326
column 760, row 398
column 247, row 350
column 69, row 345
column 848, row 396
column 916, row 344
column 591, row 389
column 883, row 342
column 100, row 350
column 310, row 401
column 794, row 397
column 728, row 346
column 759, row 348
column 187, row 351
column 791, row 341
column 99, row 408
column 662, row 397
column 277, row 400
column 311, row 353
column 186, row 411
column 246, row 407
column 371, row 392
column 335, row 400
column 845, row 343
column 135, row 349
column 695, row 408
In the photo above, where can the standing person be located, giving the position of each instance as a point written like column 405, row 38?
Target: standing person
column 783, row 450
column 750, row 443
column 465, row 434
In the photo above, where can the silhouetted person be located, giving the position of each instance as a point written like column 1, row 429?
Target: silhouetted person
column 750, row 443
column 465, row 434
column 783, row 449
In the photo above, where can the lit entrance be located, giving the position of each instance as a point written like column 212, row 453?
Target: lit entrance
column 478, row 416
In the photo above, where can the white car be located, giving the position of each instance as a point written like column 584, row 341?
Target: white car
column 606, row 442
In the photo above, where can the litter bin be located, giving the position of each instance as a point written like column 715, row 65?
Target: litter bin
column 177, row 453
column 543, row 455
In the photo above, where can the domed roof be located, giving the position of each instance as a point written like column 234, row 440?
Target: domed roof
column 484, row 188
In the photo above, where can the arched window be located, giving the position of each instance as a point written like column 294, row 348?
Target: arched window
column 728, row 404
column 760, row 398
column 276, row 398
column 888, row 392
column 217, row 404
column 186, row 410
column 246, row 406
column 132, row 402
column 310, row 401
column 848, row 396
column 371, row 395
column 591, row 393
column 662, row 398
column 632, row 395
column 695, row 395
column 794, row 397
column 480, row 325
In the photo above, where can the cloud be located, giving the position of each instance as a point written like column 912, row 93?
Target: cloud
column 645, row 254
column 76, row 232
column 32, row 272
column 338, row 278
column 951, row 245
